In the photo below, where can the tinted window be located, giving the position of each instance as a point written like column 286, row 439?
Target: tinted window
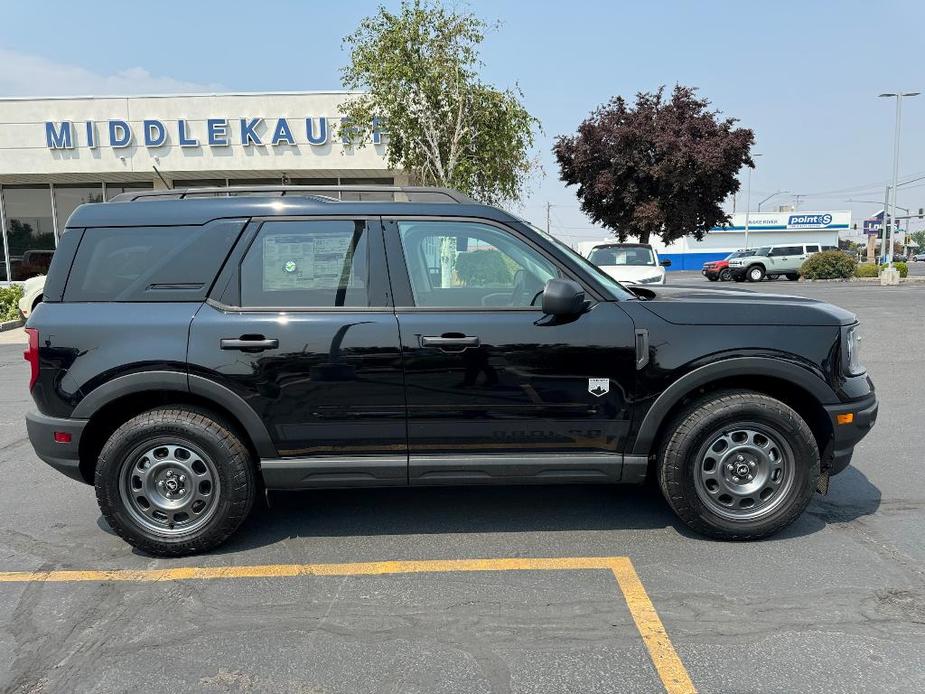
column 319, row 264
column 786, row 250
column 622, row 255
column 68, row 198
column 471, row 265
column 812, row 249
column 149, row 263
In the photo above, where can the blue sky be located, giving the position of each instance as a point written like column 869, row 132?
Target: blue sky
column 804, row 75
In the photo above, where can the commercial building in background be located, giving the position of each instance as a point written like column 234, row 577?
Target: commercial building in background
column 764, row 229
column 57, row 153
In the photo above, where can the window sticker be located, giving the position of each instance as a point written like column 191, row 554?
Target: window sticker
column 297, row 261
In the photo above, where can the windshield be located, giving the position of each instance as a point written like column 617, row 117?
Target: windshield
column 763, row 251
column 622, row 255
column 617, row 290
column 740, row 254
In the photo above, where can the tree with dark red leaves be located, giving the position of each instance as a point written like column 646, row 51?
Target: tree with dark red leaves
column 659, row 167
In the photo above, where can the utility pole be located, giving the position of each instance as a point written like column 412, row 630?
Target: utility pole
column 899, row 110
column 548, row 206
column 748, row 200
column 886, row 216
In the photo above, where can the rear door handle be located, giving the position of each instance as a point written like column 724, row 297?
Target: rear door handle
column 249, row 343
column 452, row 343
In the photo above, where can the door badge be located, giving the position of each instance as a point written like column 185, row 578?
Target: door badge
column 598, row 386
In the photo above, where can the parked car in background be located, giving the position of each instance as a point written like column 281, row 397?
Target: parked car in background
column 918, row 257
column 718, row 270
column 772, row 262
column 32, row 290
column 630, row 263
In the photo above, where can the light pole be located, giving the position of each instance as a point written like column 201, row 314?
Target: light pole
column 748, row 199
column 772, row 195
column 899, row 111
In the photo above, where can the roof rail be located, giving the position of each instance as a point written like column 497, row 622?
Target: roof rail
column 327, row 193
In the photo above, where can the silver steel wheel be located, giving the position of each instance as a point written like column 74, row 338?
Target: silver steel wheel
column 169, row 489
column 744, row 473
column 755, row 274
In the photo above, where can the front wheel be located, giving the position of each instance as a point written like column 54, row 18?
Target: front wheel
column 725, row 275
column 793, row 276
column 712, row 278
column 738, row 465
column 174, row 481
column 755, row 273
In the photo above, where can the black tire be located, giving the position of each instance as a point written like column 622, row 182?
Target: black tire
column 773, row 277
column 725, row 275
column 755, row 273
column 231, row 482
column 37, row 301
column 793, row 276
column 739, row 278
column 717, row 414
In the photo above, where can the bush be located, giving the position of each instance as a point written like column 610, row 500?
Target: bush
column 866, row 270
column 902, row 267
column 828, row 265
column 9, row 302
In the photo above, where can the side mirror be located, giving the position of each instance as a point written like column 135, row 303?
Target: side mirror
column 665, row 263
column 563, row 298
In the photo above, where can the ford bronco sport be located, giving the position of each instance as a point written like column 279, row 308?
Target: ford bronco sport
column 195, row 347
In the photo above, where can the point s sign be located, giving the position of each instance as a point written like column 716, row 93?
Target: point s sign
column 809, row 221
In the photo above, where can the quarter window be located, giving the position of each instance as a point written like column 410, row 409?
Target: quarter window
column 317, row 264
column 457, row 264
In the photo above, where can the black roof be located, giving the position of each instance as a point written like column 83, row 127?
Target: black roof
column 196, row 211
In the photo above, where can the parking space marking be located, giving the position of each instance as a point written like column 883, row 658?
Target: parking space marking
column 668, row 665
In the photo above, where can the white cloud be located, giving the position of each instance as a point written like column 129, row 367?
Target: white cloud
column 23, row 74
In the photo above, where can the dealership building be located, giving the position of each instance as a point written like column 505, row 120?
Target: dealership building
column 57, row 153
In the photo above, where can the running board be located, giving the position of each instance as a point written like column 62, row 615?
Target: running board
column 331, row 472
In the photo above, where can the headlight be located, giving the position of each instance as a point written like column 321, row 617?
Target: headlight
column 650, row 280
column 852, row 358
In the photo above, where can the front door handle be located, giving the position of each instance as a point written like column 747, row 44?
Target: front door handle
column 249, row 343
column 450, row 343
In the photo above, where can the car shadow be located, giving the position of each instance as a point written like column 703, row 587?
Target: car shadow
column 451, row 510
column 514, row 509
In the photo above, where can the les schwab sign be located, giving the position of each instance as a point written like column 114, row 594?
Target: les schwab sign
column 216, row 132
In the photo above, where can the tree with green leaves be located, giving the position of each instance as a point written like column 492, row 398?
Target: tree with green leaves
column 418, row 71
column 917, row 239
column 662, row 166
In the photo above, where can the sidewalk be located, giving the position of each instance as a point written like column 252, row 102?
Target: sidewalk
column 17, row 336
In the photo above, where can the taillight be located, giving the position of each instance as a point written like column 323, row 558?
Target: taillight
column 31, row 355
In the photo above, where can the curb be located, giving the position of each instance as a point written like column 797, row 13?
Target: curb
column 869, row 280
column 11, row 324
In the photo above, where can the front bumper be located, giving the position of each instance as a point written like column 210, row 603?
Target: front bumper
column 63, row 457
column 847, row 436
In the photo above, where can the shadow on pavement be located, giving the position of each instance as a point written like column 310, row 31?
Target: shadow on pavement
column 436, row 510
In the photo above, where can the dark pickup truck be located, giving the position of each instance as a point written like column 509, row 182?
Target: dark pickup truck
column 193, row 348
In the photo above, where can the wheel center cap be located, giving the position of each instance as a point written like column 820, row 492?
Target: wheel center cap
column 171, row 484
column 741, row 470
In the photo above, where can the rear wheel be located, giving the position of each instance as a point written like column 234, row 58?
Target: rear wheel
column 793, row 276
column 712, row 278
column 738, row 465
column 174, row 481
column 725, row 275
column 755, row 273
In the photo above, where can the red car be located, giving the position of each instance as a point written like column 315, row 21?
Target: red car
column 719, row 269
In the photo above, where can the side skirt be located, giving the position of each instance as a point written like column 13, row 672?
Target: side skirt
column 331, row 472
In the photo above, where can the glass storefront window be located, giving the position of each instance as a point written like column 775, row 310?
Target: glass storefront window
column 200, row 183
column 114, row 189
column 371, row 195
column 69, row 197
column 29, row 231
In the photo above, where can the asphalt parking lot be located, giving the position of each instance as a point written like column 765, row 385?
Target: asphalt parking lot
column 835, row 603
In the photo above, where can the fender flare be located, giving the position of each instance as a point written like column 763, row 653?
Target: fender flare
column 182, row 383
column 734, row 366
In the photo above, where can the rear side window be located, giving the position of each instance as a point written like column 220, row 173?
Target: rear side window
column 307, row 264
column 786, row 250
column 177, row 263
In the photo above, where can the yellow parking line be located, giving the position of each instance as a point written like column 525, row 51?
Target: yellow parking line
column 670, row 669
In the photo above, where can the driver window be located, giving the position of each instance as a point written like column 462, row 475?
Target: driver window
column 456, row 264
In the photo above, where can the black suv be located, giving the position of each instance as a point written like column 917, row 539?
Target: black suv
column 195, row 346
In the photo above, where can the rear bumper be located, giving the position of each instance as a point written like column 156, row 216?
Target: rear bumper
column 63, row 457
column 847, row 436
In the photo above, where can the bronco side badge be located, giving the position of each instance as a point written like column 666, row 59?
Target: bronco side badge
column 598, row 386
